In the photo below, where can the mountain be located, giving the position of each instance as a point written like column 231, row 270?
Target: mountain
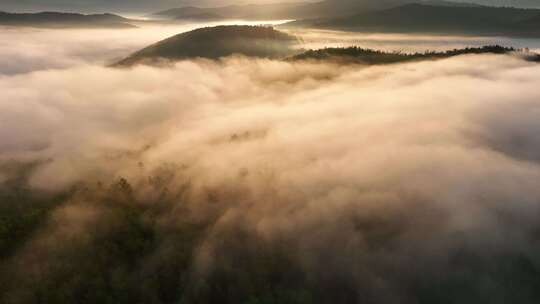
column 258, row 41
column 506, row 3
column 245, row 12
column 145, row 6
column 63, row 20
column 299, row 10
column 217, row 42
column 421, row 18
column 121, row 6
column 189, row 13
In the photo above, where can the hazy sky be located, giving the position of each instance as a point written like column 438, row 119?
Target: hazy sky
column 116, row 5
column 126, row 6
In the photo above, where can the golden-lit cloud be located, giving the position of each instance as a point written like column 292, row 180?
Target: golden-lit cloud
column 356, row 169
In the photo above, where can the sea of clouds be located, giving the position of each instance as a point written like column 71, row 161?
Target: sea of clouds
column 361, row 171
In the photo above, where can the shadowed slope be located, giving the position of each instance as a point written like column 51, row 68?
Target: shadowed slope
column 63, row 20
column 217, row 42
column 299, row 10
column 419, row 18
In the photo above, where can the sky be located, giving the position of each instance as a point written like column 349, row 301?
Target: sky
column 118, row 6
column 138, row 6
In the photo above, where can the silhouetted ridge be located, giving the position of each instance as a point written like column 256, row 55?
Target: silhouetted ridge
column 217, row 42
column 371, row 57
column 189, row 13
column 421, row 18
column 284, row 11
column 57, row 19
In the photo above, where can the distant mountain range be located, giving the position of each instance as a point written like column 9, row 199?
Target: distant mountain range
column 429, row 16
column 506, row 3
column 64, row 20
column 217, row 42
column 406, row 16
column 145, row 6
column 284, row 11
column 421, row 18
column 119, row 6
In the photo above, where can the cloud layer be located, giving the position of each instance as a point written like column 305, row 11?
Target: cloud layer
column 378, row 181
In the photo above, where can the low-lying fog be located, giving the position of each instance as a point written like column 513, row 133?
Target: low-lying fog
column 316, row 39
column 373, row 177
column 25, row 50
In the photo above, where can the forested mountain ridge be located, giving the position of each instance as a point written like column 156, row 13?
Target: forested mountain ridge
column 63, row 20
column 505, row 3
column 421, row 18
column 266, row 42
column 358, row 55
column 216, row 42
column 284, row 11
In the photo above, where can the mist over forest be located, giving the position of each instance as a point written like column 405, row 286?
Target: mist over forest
column 255, row 162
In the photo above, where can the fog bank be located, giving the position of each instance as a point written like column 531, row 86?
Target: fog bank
column 259, row 181
column 373, row 183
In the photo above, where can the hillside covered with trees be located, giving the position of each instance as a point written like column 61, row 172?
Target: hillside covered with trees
column 63, row 20
column 357, row 55
column 217, row 42
column 433, row 19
